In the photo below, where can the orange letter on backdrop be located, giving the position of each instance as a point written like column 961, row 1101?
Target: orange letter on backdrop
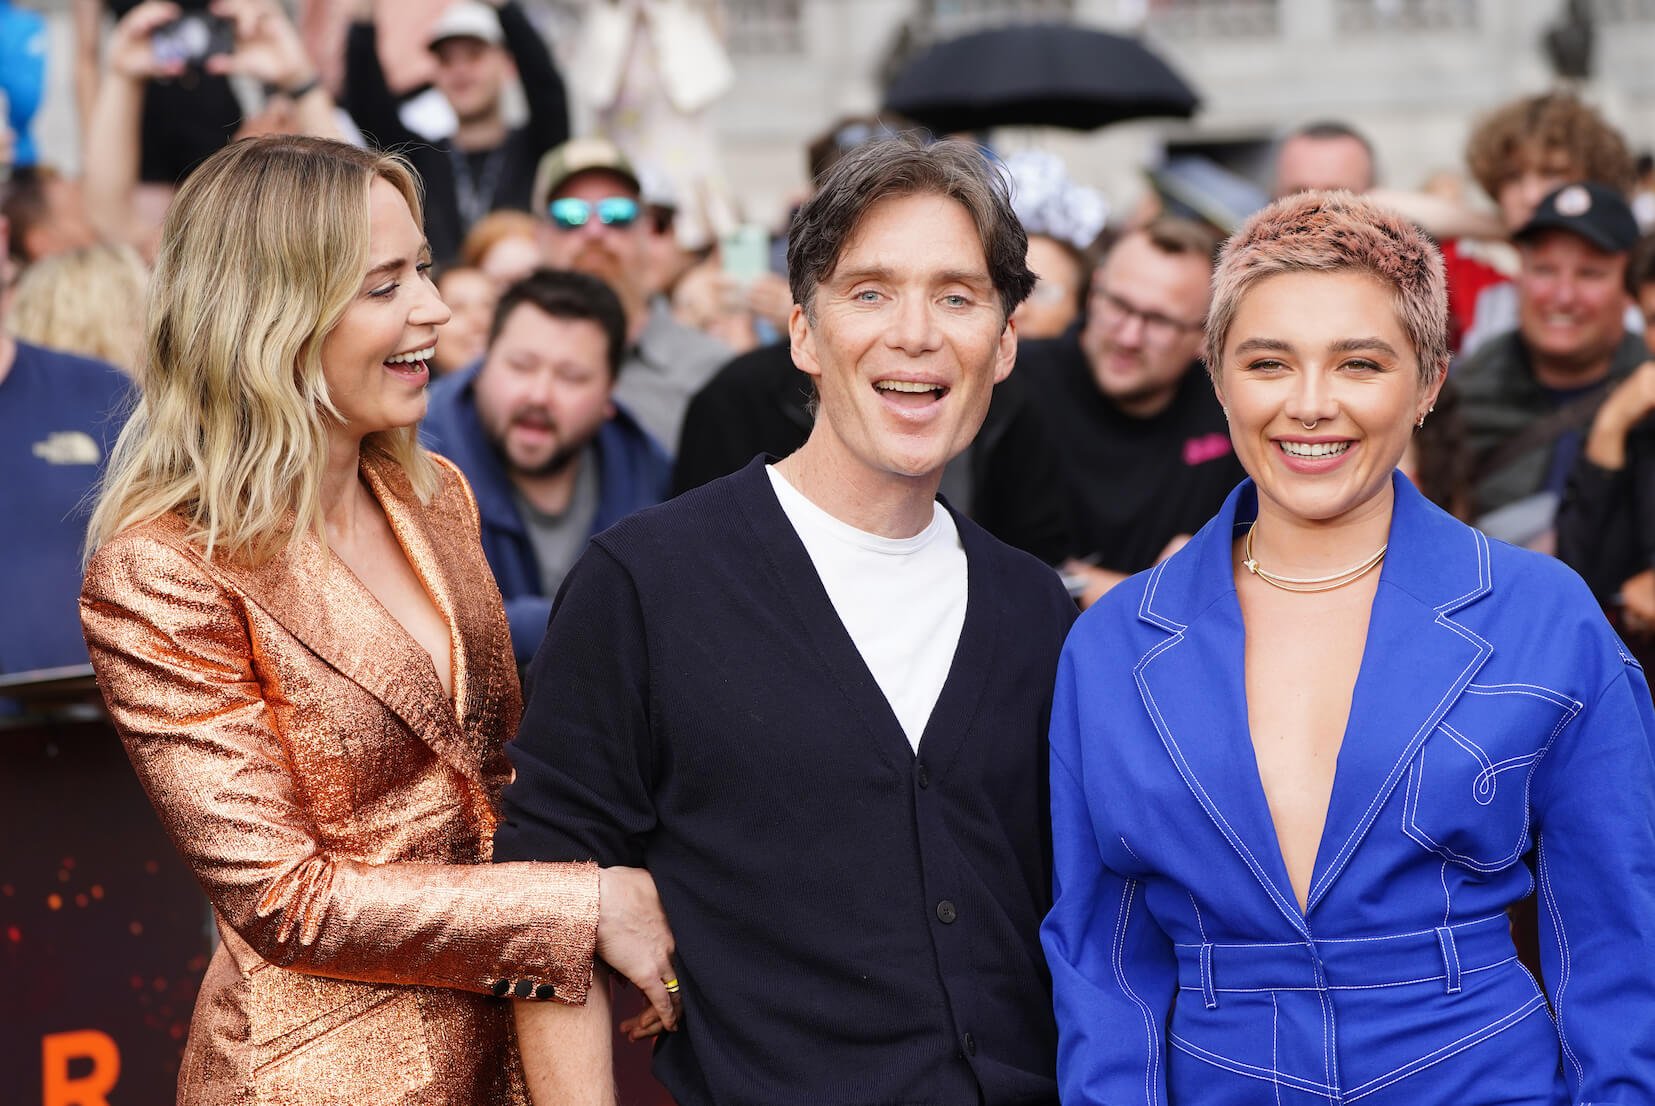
column 58, row 1049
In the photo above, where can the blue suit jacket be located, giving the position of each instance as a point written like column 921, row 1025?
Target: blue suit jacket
column 634, row 472
column 1494, row 712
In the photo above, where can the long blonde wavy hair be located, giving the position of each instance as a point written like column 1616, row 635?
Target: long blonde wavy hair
column 263, row 250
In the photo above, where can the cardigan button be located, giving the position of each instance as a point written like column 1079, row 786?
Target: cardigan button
column 923, row 775
column 970, row 1045
column 501, row 988
column 946, row 912
column 545, row 991
column 524, row 988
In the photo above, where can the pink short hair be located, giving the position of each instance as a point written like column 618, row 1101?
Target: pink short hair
column 1336, row 232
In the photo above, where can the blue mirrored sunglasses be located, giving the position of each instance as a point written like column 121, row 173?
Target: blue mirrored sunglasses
column 612, row 211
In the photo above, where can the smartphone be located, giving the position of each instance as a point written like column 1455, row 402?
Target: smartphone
column 745, row 253
column 192, row 38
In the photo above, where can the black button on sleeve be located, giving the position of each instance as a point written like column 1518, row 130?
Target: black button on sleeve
column 501, row 988
column 946, row 912
column 545, row 991
column 524, row 988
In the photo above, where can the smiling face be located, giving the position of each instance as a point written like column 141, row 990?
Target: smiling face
column 543, row 392
column 1326, row 349
column 1571, row 306
column 908, row 340
column 375, row 361
column 1143, row 323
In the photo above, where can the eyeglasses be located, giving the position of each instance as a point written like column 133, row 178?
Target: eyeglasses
column 612, row 211
column 1112, row 310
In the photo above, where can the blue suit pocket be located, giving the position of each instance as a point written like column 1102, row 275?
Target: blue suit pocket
column 1468, row 787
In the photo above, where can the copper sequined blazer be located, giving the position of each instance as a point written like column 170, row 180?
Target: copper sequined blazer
column 338, row 809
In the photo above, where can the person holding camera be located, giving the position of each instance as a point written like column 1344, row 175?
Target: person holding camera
column 158, row 40
column 185, row 117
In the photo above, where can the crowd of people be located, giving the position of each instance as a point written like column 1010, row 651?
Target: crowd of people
column 401, row 448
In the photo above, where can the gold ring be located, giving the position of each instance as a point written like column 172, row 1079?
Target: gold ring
column 671, row 985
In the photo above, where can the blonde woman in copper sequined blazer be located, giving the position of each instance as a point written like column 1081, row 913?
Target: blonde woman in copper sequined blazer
column 307, row 659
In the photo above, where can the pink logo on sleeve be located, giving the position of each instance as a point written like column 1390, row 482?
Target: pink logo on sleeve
column 1208, row 447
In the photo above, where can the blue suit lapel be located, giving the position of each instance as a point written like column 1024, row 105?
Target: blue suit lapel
column 1416, row 663
column 1192, row 686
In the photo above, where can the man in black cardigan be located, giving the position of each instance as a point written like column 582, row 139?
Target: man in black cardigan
column 812, row 701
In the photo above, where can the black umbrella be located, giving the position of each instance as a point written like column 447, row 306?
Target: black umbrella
column 1037, row 74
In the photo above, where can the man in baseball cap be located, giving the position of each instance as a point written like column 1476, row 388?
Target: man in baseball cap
column 590, row 202
column 485, row 164
column 1529, row 395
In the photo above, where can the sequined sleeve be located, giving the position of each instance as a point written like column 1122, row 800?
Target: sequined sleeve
column 174, row 658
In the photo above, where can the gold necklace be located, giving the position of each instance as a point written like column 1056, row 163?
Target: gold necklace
column 1316, row 583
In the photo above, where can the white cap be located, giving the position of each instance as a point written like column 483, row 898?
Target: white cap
column 466, row 19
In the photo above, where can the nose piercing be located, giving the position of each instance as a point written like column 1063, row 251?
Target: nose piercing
column 1311, row 425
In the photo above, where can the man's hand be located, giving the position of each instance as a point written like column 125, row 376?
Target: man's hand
column 130, row 54
column 1097, row 581
column 634, row 940
column 1100, row 580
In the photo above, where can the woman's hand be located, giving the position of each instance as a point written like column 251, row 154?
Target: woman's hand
column 634, row 939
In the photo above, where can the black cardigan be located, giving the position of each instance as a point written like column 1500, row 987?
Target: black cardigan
column 855, row 924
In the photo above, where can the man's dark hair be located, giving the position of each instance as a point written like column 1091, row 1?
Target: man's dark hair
column 903, row 166
column 1175, row 235
column 568, row 295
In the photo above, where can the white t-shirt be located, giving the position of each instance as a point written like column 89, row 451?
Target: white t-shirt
column 902, row 600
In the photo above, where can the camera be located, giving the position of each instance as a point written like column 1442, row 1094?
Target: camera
column 192, row 38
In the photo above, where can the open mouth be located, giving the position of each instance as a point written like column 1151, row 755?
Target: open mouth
column 413, row 364
column 910, row 394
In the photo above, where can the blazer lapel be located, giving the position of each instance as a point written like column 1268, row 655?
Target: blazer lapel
column 1416, row 662
column 1192, row 597
column 318, row 600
